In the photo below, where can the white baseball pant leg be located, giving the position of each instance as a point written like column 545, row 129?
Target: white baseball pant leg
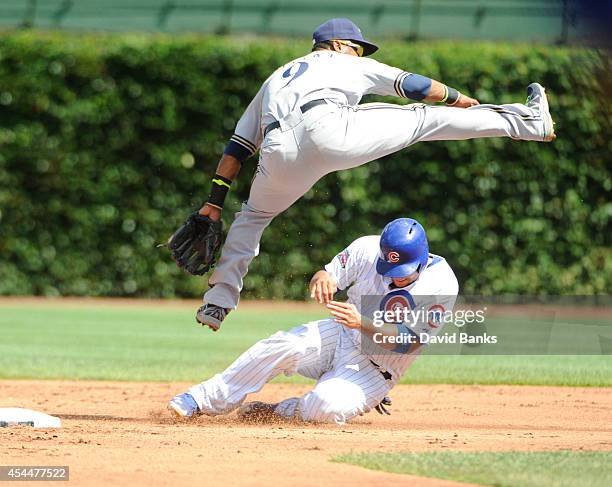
column 329, row 138
column 367, row 132
column 308, row 349
column 241, row 246
column 352, row 387
column 348, row 384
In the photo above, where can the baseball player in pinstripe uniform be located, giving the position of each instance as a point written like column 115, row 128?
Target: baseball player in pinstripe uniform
column 306, row 122
column 355, row 367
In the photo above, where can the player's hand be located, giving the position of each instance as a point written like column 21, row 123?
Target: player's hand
column 211, row 212
column 345, row 313
column 322, row 287
column 466, row 102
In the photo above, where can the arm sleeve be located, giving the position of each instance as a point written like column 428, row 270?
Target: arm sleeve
column 387, row 80
column 346, row 266
column 247, row 137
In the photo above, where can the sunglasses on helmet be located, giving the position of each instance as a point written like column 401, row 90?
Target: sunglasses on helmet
column 358, row 49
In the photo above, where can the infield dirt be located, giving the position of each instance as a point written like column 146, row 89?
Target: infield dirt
column 120, row 433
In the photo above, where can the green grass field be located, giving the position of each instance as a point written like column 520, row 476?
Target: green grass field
column 500, row 469
column 104, row 342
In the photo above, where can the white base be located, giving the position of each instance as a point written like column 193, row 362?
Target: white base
column 17, row 416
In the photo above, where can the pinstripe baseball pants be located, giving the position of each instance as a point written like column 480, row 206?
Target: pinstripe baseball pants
column 347, row 383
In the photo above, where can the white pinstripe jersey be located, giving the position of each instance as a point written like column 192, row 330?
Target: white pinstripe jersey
column 337, row 77
column 355, row 268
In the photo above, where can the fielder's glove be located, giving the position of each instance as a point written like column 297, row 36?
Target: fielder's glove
column 381, row 409
column 195, row 244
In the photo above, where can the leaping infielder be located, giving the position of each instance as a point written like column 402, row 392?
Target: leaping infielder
column 354, row 364
column 306, row 122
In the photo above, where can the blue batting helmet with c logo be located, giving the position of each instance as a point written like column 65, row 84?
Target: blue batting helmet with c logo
column 403, row 247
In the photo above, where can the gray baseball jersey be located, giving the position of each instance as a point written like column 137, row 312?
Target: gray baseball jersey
column 319, row 75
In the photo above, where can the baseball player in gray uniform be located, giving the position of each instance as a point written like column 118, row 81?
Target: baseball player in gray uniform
column 306, row 122
column 355, row 360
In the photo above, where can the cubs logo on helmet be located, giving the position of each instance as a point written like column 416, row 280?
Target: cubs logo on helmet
column 393, row 256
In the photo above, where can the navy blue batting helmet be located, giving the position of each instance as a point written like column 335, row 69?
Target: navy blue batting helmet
column 403, row 247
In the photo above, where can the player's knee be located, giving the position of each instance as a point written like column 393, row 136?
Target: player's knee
column 280, row 344
column 334, row 401
column 281, row 340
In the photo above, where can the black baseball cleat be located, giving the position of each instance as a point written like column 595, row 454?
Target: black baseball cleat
column 382, row 406
column 536, row 99
column 258, row 412
column 211, row 315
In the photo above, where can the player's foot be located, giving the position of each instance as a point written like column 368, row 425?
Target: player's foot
column 183, row 406
column 211, row 315
column 536, row 99
column 258, row 412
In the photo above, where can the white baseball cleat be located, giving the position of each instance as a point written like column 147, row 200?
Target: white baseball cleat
column 183, row 406
column 211, row 315
column 537, row 100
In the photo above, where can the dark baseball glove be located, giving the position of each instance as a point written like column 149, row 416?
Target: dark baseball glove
column 195, row 244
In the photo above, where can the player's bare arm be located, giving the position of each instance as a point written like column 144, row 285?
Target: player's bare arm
column 323, row 287
column 228, row 167
column 421, row 88
column 439, row 92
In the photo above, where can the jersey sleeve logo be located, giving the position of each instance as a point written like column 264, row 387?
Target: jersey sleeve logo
column 435, row 315
column 295, row 71
column 343, row 258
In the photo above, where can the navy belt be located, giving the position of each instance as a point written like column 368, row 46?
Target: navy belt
column 304, row 108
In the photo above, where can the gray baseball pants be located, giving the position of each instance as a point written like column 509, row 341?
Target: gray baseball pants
column 334, row 137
